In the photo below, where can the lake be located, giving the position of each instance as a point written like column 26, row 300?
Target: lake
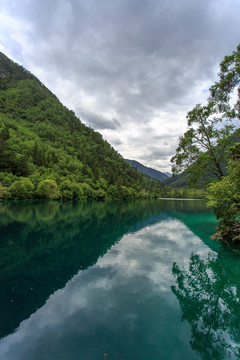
column 116, row 280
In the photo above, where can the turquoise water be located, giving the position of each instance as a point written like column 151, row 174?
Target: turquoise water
column 116, row 280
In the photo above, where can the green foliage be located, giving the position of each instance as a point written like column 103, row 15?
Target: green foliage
column 73, row 191
column 21, row 189
column 48, row 189
column 204, row 145
column 221, row 91
column 41, row 140
column 3, row 192
column 224, row 198
column 112, row 192
column 66, row 190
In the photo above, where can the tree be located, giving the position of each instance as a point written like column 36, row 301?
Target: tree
column 20, row 166
column 3, row 192
column 112, row 192
column 48, row 189
column 72, row 190
column 77, row 190
column 203, row 147
column 206, row 145
column 21, row 189
column 224, row 198
column 38, row 155
column 4, row 133
column 222, row 90
column 66, row 190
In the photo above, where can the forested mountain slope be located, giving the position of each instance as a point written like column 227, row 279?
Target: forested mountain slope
column 46, row 152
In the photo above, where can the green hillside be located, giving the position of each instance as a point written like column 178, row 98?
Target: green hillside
column 47, row 153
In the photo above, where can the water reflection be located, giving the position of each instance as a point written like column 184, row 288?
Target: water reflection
column 83, row 292
column 208, row 291
column 43, row 244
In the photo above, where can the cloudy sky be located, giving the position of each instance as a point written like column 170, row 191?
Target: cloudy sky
column 130, row 69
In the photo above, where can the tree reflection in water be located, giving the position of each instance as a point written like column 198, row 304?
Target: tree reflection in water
column 209, row 296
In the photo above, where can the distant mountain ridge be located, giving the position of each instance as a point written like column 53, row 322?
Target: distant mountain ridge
column 158, row 175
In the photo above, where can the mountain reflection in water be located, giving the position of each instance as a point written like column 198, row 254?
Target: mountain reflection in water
column 80, row 280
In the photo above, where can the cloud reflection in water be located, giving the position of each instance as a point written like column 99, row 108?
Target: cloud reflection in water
column 122, row 306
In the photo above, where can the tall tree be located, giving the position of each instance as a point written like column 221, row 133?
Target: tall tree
column 204, row 145
column 225, row 94
column 224, row 198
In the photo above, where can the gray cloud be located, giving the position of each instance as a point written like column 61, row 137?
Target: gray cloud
column 156, row 153
column 116, row 142
column 96, row 121
column 135, row 61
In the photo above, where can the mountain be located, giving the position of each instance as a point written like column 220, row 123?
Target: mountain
column 46, row 152
column 177, row 181
column 147, row 170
